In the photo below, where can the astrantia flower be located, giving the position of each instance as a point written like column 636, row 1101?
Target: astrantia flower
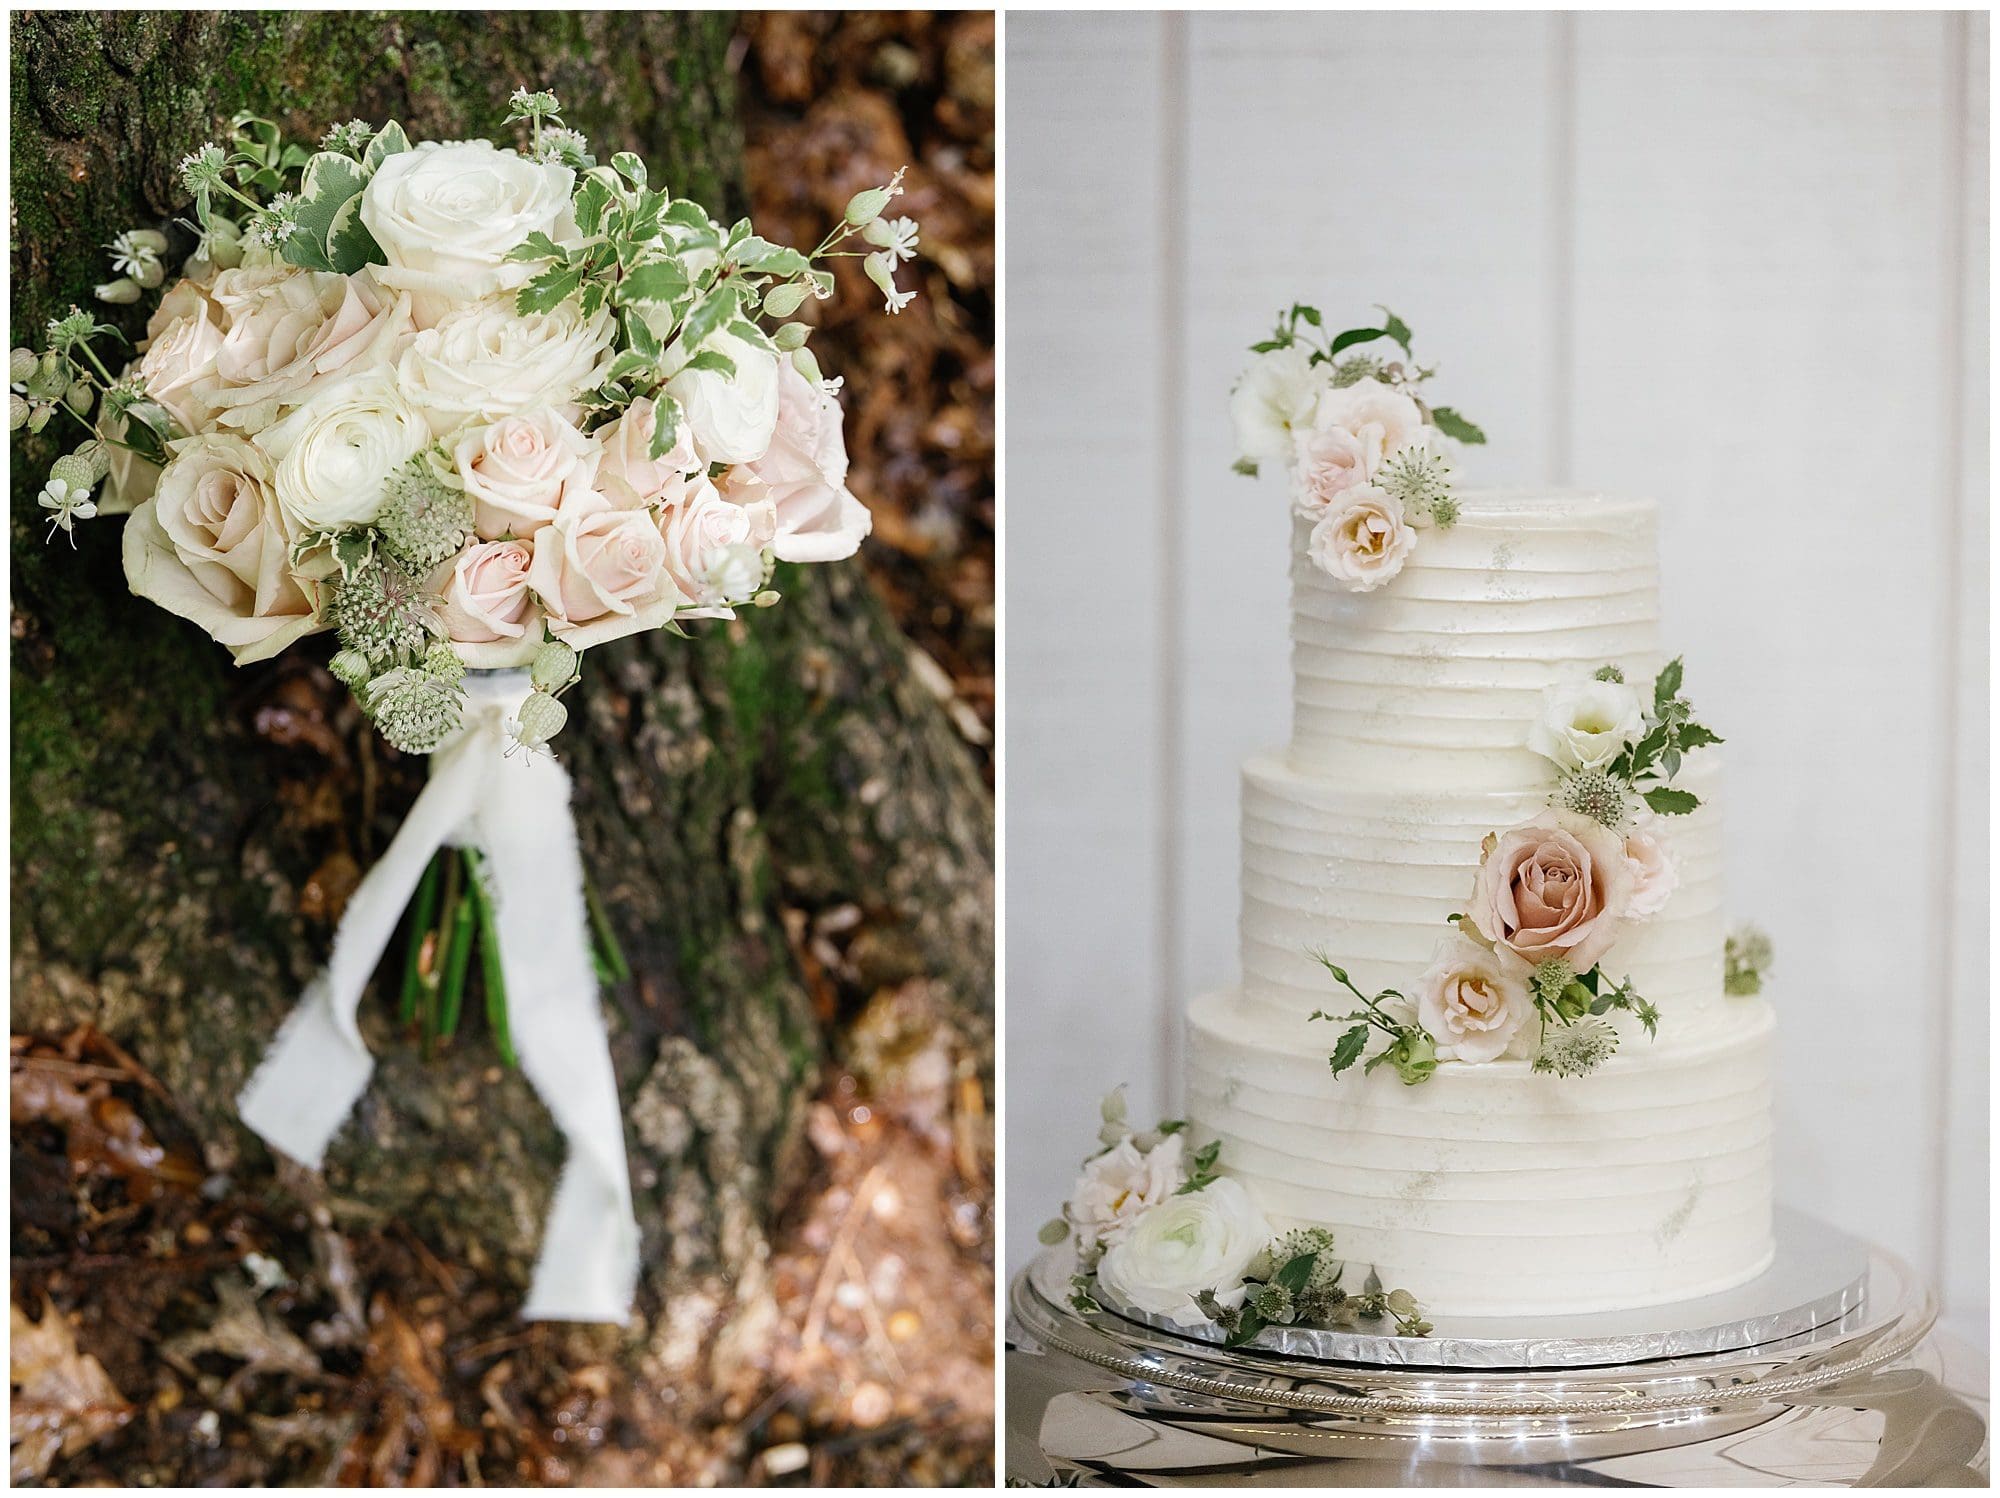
column 1577, row 1050
column 67, row 503
column 201, row 169
column 349, row 138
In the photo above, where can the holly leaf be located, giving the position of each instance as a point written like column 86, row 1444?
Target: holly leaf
column 1670, row 802
column 714, row 361
column 1455, row 426
column 1694, row 736
column 1349, row 1049
column 389, row 141
column 537, row 246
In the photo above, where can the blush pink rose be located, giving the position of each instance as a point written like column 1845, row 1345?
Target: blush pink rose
column 803, row 476
column 178, row 368
column 1555, row 886
column 521, row 469
column 1327, row 463
column 628, row 475
column 1472, row 1004
column 1362, row 539
column 486, row 598
column 1654, row 876
column 287, row 335
column 1381, row 418
column 600, row 572
column 700, row 529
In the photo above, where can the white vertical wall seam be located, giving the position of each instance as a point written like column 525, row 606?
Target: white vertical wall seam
column 1170, row 390
column 1560, row 268
column 1957, row 41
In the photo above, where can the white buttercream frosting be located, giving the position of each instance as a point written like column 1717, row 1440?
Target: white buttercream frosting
column 1488, row 1189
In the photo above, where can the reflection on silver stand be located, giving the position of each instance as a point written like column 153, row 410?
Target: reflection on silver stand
column 1821, row 1371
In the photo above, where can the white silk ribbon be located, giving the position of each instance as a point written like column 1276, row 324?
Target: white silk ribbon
column 515, row 810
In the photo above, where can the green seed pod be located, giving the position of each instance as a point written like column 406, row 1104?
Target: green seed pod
column 20, row 366
column 866, row 206
column 554, row 666
column 79, row 398
column 73, row 470
column 122, row 292
column 542, row 718
column 17, row 412
column 783, row 301
column 97, row 455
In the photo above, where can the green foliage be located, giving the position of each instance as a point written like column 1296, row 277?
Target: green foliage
column 1410, row 1049
column 1746, row 957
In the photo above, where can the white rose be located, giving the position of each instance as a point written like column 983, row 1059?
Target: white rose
column 730, row 417
column 212, row 545
column 288, row 335
column 1654, row 874
column 1584, row 725
column 520, row 469
column 1382, row 419
column 447, row 213
column 629, row 475
column 803, row 476
column 335, row 453
column 1362, row 539
column 1204, row 1240
column 1275, row 395
column 1118, row 1185
column 485, row 361
column 1472, row 1003
column 601, row 572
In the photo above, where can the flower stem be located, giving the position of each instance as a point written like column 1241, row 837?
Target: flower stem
column 451, row 996
column 611, row 964
column 492, row 975
column 421, row 915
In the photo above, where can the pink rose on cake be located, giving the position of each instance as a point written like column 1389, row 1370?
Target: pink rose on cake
column 1362, row 540
column 1382, row 420
column 1555, row 886
column 1120, row 1184
column 1472, row 1002
column 1654, row 876
column 1326, row 463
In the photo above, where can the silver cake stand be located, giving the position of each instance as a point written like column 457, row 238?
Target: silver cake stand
column 1821, row 1371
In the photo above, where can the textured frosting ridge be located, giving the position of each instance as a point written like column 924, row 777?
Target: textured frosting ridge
column 1488, row 1189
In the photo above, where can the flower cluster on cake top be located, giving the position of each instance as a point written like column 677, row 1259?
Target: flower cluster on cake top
column 1522, row 975
column 1367, row 457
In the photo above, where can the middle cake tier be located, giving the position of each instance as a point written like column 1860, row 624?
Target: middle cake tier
column 1369, row 875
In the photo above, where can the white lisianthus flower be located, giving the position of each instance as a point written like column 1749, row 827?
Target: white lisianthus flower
column 1204, row 1240
column 1474, row 1005
column 447, row 212
column 1118, row 1185
column 1275, row 396
column 335, row 453
column 213, row 546
column 730, row 417
column 485, row 361
column 1585, row 725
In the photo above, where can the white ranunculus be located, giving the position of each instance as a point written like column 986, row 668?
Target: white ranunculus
column 1474, row 1004
column 335, row 453
column 289, row 335
column 485, row 361
column 730, row 417
column 1118, row 1185
column 213, row 545
column 1275, row 395
column 1203, row 1240
column 803, row 476
column 1584, row 725
column 447, row 213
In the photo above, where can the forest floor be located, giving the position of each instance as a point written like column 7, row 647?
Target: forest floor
column 158, row 1339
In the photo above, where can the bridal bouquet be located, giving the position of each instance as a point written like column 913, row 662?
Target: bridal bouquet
column 475, row 408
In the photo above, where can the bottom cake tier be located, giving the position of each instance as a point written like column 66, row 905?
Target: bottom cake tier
column 1492, row 1191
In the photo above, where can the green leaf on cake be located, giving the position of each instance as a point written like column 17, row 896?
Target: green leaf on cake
column 1353, row 337
column 1349, row 1049
column 1667, row 685
column 1395, row 328
column 1670, row 802
column 1455, row 426
column 1694, row 736
column 1296, row 1273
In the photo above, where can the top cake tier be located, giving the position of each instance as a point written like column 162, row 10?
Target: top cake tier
column 1429, row 680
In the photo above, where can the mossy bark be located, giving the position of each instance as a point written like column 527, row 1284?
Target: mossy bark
column 183, row 830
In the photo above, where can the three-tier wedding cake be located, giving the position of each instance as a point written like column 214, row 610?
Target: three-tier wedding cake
column 1489, row 1188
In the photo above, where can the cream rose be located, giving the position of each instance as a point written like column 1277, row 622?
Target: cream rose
column 335, row 453
column 601, row 572
column 485, row 361
column 1273, row 399
column 1555, row 886
column 706, row 538
column 1585, row 725
column 1325, row 465
column 1654, row 876
column 487, row 603
column 803, row 476
column 1118, row 1185
column 1203, row 1240
column 179, row 367
column 447, row 212
column 1473, row 1004
column 1382, row 419
column 520, row 469
column 1362, row 539
column 291, row 334
column 730, row 417
column 628, row 474
column 213, row 545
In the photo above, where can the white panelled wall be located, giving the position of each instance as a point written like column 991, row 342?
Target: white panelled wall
column 1736, row 262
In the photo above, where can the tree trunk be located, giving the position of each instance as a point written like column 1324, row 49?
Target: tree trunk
column 781, row 820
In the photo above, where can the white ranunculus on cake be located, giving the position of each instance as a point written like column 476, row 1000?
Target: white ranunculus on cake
column 475, row 408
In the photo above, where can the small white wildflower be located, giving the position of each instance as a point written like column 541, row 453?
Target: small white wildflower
column 881, row 269
column 67, row 504
column 1577, row 1050
column 896, row 236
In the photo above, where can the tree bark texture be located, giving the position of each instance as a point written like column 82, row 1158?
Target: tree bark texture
column 782, row 822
